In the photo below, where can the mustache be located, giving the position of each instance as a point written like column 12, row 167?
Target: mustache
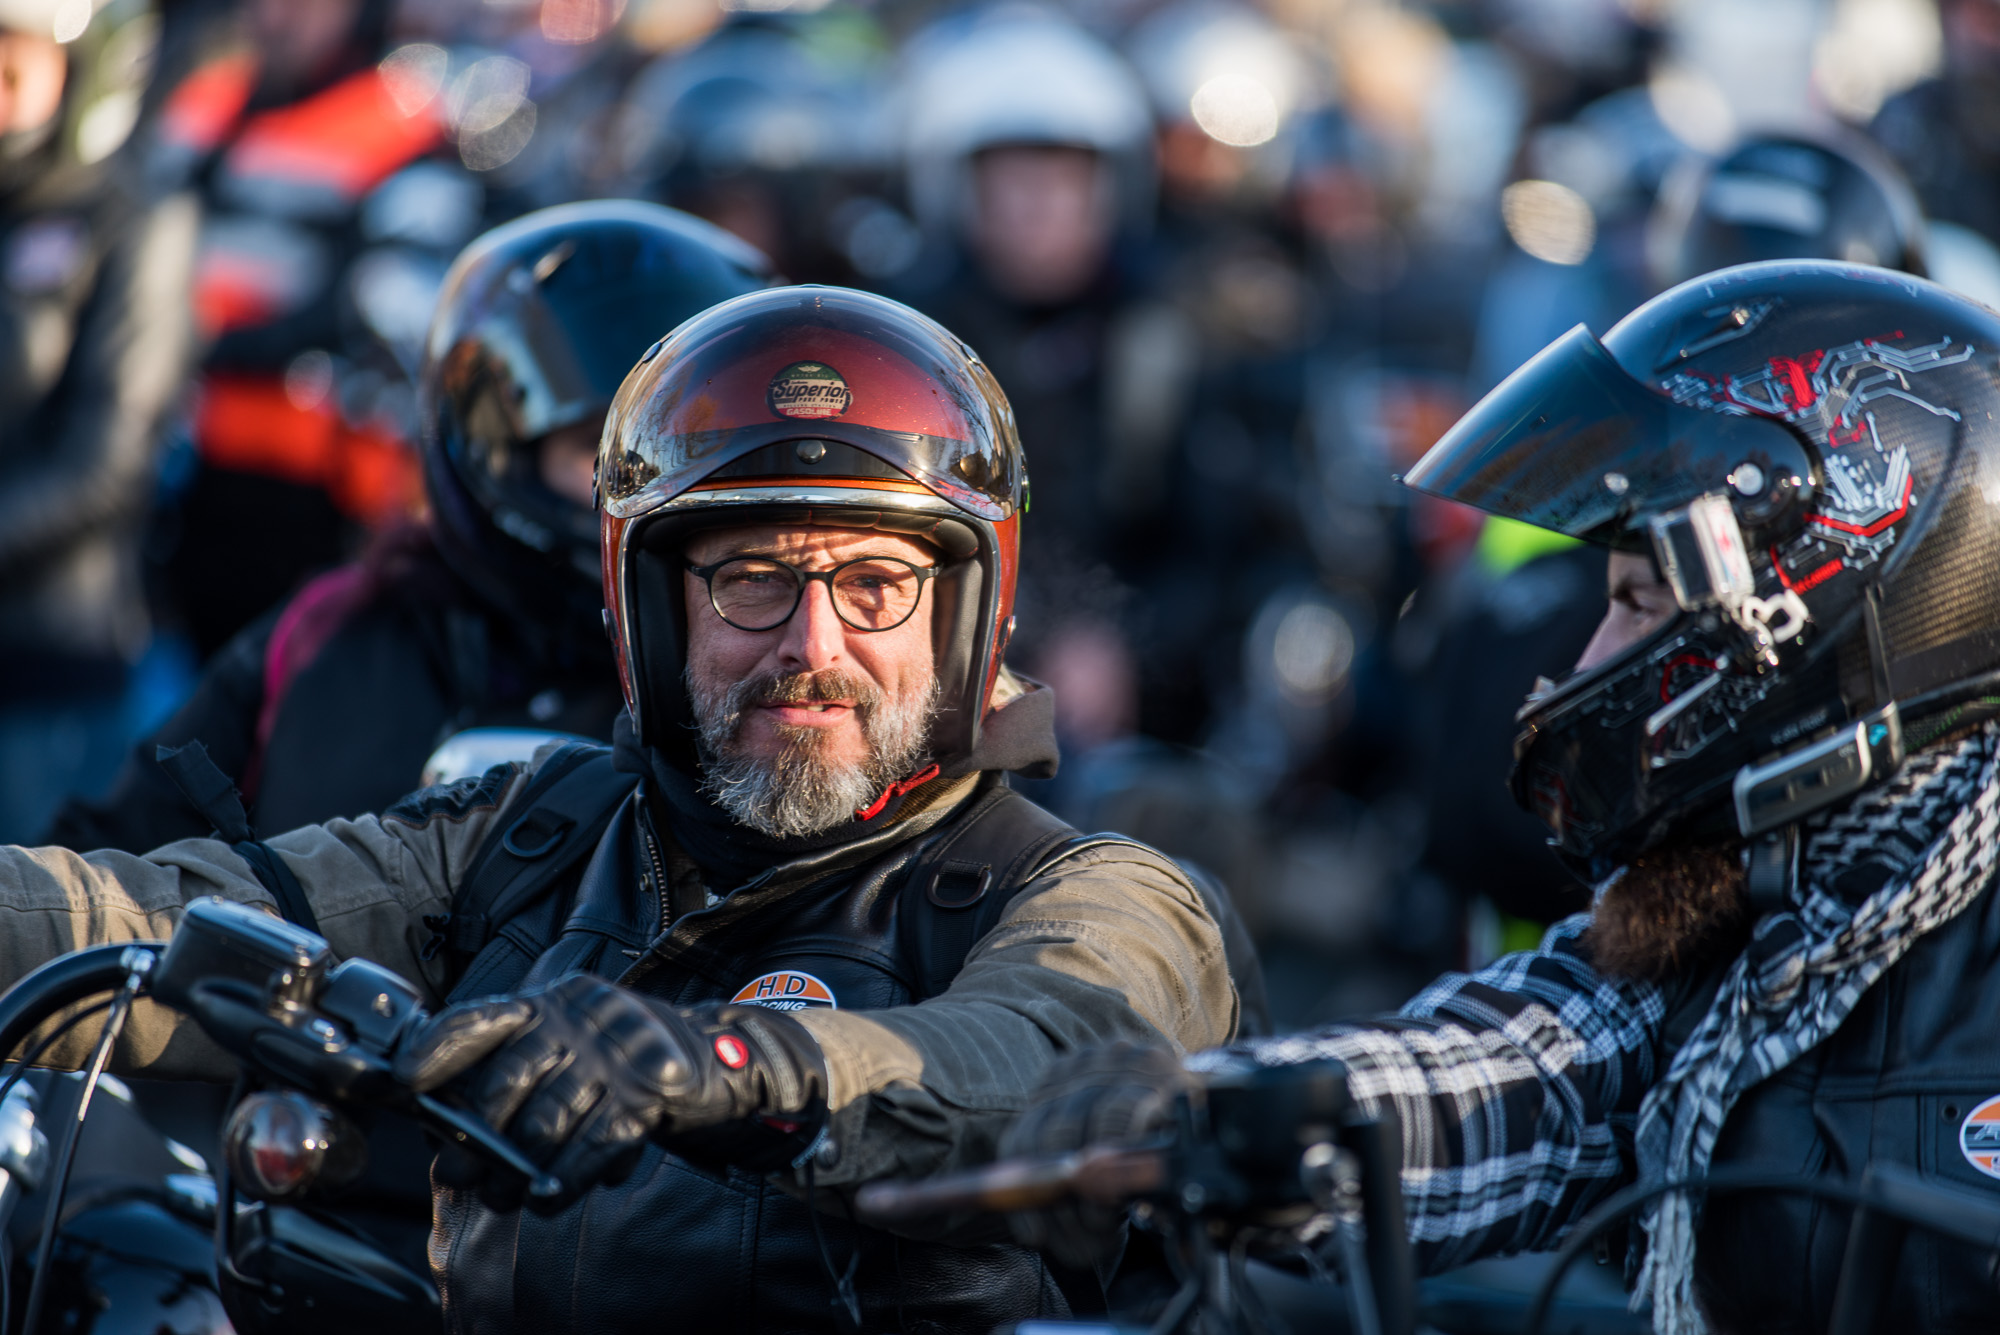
column 827, row 686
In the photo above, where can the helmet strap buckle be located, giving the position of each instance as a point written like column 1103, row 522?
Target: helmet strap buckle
column 1773, row 870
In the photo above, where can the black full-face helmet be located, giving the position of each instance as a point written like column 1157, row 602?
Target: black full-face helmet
column 1808, row 451
column 1793, row 194
column 538, row 323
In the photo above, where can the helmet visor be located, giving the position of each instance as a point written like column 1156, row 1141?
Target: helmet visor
column 811, row 364
column 1572, row 443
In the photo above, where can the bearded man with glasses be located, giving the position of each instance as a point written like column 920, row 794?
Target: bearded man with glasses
column 686, row 971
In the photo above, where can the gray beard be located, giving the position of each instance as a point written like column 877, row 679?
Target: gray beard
column 801, row 790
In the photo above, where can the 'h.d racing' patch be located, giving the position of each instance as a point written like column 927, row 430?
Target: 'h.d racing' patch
column 1979, row 1137
column 786, row 990
column 809, row 389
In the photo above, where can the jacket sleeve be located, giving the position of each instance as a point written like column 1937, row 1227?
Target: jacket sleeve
column 1517, row 1089
column 126, row 369
column 143, row 810
column 371, row 881
column 1111, row 944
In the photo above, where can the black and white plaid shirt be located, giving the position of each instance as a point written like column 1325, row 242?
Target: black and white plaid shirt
column 1518, row 1088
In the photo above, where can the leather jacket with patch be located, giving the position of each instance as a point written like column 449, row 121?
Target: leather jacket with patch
column 737, row 1252
column 1908, row 1079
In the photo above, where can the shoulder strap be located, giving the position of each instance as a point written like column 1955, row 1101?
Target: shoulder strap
column 215, row 799
column 561, row 815
column 960, row 886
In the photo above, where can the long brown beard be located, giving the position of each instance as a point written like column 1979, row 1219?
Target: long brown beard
column 1674, row 910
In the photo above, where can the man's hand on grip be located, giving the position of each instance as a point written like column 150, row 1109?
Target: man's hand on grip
column 1120, row 1094
column 579, row 1074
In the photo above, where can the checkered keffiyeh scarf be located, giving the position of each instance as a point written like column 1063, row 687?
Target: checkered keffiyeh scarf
column 1928, row 838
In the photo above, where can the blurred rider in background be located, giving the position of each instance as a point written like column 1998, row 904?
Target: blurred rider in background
column 94, row 341
column 772, row 128
column 1029, row 148
column 490, row 614
column 306, row 153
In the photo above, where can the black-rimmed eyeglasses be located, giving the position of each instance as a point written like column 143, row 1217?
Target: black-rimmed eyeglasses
column 869, row 593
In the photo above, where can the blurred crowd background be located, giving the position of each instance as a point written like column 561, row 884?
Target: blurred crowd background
column 1236, row 266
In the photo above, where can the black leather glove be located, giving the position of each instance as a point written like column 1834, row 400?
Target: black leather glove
column 580, row 1073
column 1120, row 1094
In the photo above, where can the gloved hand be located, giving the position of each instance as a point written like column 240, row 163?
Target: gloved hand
column 580, row 1073
column 1120, row 1094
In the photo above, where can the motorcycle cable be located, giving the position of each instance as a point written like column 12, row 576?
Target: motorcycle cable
column 41, row 1049
column 1882, row 1189
column 138, row 962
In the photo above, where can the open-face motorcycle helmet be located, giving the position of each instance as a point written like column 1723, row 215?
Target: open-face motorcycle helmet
column 811, row 405
column 1807, row 450
column 537, row 325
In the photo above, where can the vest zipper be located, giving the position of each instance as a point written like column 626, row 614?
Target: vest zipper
column 661, row 886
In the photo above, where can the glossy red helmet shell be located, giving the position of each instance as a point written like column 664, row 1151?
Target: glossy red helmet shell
column 811, row 405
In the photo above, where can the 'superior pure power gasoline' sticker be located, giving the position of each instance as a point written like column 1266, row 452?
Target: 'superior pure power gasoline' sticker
column 1979, row 1137
column 809, row 389
column 786, row 990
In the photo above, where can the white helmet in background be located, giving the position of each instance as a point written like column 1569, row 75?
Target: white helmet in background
column 1019, row 75
column 1224, row 67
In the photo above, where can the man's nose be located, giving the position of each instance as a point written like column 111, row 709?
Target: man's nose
column 815, row 637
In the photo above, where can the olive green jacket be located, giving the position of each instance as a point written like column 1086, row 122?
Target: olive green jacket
column 1112, row 943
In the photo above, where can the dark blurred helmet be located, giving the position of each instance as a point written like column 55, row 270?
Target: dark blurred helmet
column 811, row 405
column 1807, row 450
column 1780, row 196
column 538, row 323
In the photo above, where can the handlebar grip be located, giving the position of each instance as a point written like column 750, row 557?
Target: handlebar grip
column 1103, row 1174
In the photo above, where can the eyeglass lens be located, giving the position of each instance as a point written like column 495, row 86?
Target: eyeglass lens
column 877, row 593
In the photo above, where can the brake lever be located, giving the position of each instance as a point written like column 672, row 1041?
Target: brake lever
column 270, row 993
column 465, row 1128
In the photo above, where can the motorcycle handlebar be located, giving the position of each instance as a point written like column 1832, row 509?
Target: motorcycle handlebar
column 1102, row 1174
column 63, row 982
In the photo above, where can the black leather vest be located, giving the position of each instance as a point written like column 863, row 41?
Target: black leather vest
column 1897, row 1083
column 684, row 1246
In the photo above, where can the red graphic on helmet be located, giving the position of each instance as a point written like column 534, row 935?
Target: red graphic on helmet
column 1868, row 488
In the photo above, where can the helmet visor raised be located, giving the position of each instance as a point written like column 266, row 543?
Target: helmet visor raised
column 811, row 364
column 1572, row 443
